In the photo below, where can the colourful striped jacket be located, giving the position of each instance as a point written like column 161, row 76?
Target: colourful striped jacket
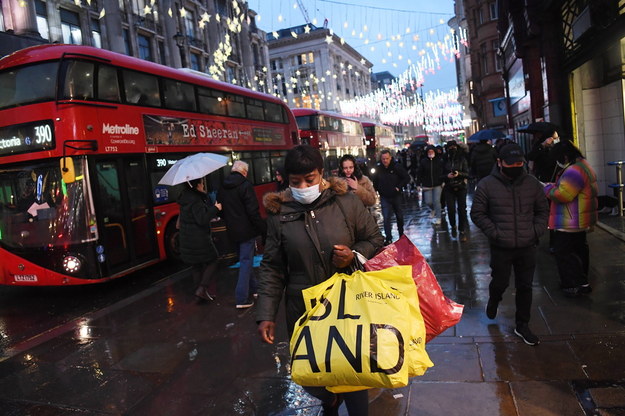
column 573, row 198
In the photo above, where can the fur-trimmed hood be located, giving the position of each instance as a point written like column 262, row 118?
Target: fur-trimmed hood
column 328, row 187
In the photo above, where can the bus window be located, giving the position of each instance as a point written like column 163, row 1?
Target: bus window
column 78, row 83
column 28, row 84
column 211, row 101
column 261, row 168
column 329, row 123
column 254, row 109
column 178, row 95
column 108, row 86
column 306, row 122
column 141, row 89
column 236, row 108
column 274, row 113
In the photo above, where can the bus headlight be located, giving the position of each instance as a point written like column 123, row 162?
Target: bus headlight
column 72, row 264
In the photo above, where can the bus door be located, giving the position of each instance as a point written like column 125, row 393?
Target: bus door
column 124, row 212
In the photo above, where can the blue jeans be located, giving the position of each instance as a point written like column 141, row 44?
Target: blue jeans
column 432, row 198
column 390, row 206
column 246, row 284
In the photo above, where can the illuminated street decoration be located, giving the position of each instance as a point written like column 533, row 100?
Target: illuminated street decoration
column 432, row 45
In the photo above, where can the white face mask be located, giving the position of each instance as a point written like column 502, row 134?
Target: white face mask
column 306, row 195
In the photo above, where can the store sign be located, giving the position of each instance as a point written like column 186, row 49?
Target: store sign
column 27, row 137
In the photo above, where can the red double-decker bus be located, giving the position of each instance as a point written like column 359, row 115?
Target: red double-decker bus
column 377, row 137
column 333, row 133
column 86, row 135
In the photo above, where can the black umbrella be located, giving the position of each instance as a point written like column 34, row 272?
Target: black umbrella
column 538, row 127
column 487, row 134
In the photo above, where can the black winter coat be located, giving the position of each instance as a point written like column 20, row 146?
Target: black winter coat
column 300, row 240
column 545, row 167
column 387, row 181
column 240, row 209
column 195, row 239
column 455, row 162
column 512, row 214
column 483, row 158
column 430, row 172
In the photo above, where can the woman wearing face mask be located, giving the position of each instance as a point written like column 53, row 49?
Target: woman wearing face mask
column 356, row 181
column 312, row 229
column 430, row 178
column 573, row 212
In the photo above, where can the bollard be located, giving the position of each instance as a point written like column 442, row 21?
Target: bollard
column 619, row 184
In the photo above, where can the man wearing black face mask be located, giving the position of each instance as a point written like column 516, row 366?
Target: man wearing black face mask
column 510, row 207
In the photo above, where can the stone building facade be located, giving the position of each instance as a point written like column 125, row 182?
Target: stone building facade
column 313, row 68
column 217, row 37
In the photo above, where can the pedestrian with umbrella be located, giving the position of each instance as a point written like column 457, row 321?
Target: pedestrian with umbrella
column 195, row 238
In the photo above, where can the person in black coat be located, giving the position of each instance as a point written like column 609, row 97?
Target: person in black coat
column 195, row 238
column 511, row 209
column 243, row 224
column 430, row 178
column 281, row 180
column 389, row 179
column 483, row 158
column 455, row 174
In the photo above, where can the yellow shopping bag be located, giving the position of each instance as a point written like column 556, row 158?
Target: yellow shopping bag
column 359, row 331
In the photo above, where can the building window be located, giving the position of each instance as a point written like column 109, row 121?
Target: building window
column 195, row 61
column 96, row 38
column 496, row 56
column 126, row 36
column 145, row 51
column 137, row 7
column 189, row 25
column 484, row 59
column 479, row 17
column 494, row 15
column 276, row 64
column 161, row 52
column 255, row 54
column 70, row 26
column 305, row 58
column 230, row 74
column 42, row 19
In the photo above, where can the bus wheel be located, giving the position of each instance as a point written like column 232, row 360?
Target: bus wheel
column 172, row 244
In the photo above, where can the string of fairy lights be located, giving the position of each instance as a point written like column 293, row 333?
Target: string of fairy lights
column 418, row 41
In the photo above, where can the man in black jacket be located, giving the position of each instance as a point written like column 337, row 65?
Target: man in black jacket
column 510, row 207
column 388, row 180
column 244, row 224
column 456, row 172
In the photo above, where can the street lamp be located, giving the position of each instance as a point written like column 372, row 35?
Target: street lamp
column 181, row 40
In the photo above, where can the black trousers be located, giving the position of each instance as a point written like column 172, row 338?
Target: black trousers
column 523, row 260
column 456, row 197
column 572, row 256
column 357, row 402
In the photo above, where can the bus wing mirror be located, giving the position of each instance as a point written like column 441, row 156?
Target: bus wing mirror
column 67, row 170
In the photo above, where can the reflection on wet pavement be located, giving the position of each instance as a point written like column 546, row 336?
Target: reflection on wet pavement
column 162, row 354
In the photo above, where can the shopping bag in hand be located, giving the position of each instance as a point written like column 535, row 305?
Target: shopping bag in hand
column 355, row 335
column 439, row 312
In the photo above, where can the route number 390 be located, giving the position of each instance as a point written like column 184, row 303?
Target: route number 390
column 44, row 134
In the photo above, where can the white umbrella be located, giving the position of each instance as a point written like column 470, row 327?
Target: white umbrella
column 193, row 167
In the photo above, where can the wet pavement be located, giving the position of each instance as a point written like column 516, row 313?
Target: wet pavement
column 159, row 353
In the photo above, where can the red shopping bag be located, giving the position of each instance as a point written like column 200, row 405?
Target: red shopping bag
column 439, row 312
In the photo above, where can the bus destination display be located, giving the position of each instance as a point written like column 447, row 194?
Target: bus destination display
column 27, row 137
